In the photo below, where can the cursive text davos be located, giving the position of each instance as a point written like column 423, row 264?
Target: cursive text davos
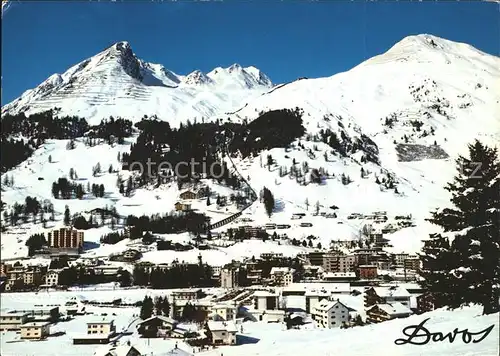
column 420, row 335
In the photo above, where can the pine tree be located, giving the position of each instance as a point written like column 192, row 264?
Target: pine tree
column 268, row 201
column 67, row 216
column 469, row 266
column 146, row 308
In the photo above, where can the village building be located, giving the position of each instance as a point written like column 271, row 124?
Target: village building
column 65, row 238
column 271, row 255
column 15, row 278
column 265, row 300
column 254, row 274
column 383, row 295
column 229, row 277
column 12, row 320
column 52, row 277
column 156, row 326
column 399, row 259
column 180, row 206
column 312, row 272
column 188, row 195
column 412, row 263
column 331, row 314
column 223, row 332
column 340, row 276
column 41, row 313
column 281, row 276
column 120, row 350
column 223, row 312
column 336, row 262
column 99, row 331
column 383, row 312
column 35, row 330
column 187, row 294
column 300, row 296
column 367, row 272
column 131, row 255
column 4, row 269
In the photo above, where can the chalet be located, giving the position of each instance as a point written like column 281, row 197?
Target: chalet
column 389, row 311
column 131, row 255
column 35, row 330
column 182, row 206
column 188, row 195
column 156, row 326
column 99, row 331
column 384, row 295
column 331, row 314
column 223, row 332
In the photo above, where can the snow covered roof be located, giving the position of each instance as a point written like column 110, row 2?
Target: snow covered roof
column 176, row 352
column 394, row 309
column 281, row 270
column 100, row 320
column 35, row 324
column 339, row 275
column 387, row 292
column 166, row 319
column 228, row 326
column 264, row 293
column 121, row 350
column 325, row 305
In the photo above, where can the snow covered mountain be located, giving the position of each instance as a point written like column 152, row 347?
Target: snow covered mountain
column 115, row 79
column 413, row 109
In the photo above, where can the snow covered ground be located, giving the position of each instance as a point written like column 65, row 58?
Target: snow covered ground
column 260, row 338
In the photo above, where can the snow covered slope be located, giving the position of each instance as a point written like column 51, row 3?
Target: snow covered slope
column 420, row 103
column 115, row 82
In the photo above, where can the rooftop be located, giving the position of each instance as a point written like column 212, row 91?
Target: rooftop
column 35, row 324
column 228, row 326
column 394, row 308
column 100, row 320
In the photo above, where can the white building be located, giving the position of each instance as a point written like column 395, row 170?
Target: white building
column 228, row 278
column 264, row 300
column 52, row 278
column 223, row 332
column 223, row 312
column 330, row 314
column 282, row 276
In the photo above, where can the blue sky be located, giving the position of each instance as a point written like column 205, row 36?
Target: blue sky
column 285, row 40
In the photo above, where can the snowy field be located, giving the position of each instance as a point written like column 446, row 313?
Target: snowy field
column 260, row 338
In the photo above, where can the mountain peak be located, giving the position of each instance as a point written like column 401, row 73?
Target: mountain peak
column 197, row 77
column 235, row 67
